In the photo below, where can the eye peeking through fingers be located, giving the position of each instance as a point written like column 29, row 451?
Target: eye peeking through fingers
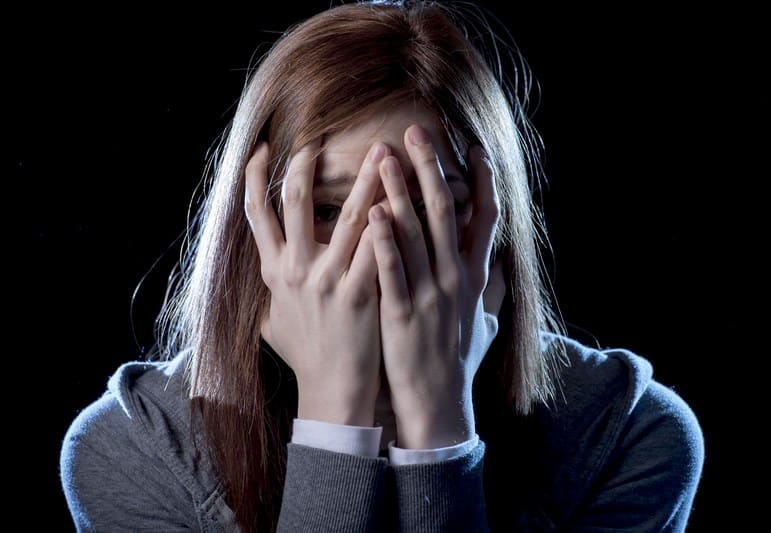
column 325, row 213
column 461, row 207
column 461, row 194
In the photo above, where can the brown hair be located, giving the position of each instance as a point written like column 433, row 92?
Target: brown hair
column 326, row 74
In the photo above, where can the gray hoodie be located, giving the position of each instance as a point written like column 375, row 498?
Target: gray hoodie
column 617, row 451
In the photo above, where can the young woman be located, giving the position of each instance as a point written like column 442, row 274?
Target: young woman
column 361, row 340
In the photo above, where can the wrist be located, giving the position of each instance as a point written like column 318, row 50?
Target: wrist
column 355, row 408
column 444, row 427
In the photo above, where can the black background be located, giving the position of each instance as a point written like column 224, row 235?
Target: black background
column 113, row 115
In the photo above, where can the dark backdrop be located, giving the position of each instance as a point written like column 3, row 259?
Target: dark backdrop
column 113, row 115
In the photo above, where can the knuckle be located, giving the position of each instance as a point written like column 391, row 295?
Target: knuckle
column 352, row 216
column 429, row 303
column 451, row 281
column 413, row 233
column 294, row 196
column 491, row 214
column 324, row 283
column 443, row 204
column 495, row 210
column 358, row 297
column 391, row 263
column 368, row 177
column 400, row 313
column 293, row 275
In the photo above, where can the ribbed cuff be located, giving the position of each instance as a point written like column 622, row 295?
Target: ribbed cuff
column 330, row 491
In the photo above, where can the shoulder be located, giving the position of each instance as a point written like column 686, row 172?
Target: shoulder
column 143, row 401
column 613, row 428
column 134, row 447
column 620, row 384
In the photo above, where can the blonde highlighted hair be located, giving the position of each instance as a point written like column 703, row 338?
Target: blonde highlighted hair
column 326, row 74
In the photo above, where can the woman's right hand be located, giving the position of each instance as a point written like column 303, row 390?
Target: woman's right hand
column 324, row 317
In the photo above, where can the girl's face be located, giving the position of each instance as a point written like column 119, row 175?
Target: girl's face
column 344, row 153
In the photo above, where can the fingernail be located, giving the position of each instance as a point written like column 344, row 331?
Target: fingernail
column 377, row 213
column 377, row 152
column 418, row 136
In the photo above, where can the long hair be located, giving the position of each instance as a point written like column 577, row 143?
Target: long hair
column 329, row 73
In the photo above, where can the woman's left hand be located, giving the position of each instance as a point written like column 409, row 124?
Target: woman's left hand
column 436, row 323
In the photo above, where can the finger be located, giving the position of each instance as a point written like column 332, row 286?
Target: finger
column 353, row 215
column 439, row 202
column 484, row 220
column 395, row 295
column 259, row 211
column 296, row 196
column 363, row 269
column 409, row 232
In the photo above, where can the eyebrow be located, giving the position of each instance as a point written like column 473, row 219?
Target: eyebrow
column 334, row 181
column 342, row 180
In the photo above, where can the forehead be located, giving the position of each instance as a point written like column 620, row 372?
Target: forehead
column 345, row 151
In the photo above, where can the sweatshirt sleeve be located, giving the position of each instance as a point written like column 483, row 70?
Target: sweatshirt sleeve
column 331, row 491
column 442, row 496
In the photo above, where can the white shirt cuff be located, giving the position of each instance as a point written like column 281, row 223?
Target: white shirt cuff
column 404, row 456
column 355, row 440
